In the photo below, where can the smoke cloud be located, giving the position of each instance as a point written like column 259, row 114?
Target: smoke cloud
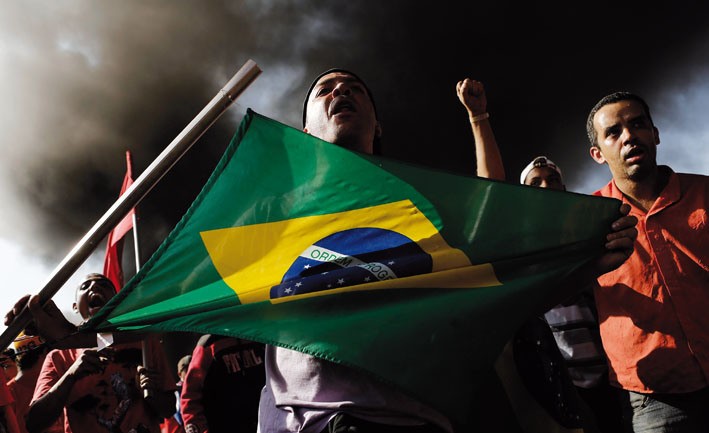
column 83, row 82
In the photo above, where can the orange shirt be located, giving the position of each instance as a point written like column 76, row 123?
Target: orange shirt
column 654, row 309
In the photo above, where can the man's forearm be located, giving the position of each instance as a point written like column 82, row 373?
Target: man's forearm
column 47, row 409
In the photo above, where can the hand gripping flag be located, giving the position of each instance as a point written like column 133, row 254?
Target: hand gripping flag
column 416, row 276
column 112, row 266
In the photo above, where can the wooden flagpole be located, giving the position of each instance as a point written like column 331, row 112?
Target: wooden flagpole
column 142, row 185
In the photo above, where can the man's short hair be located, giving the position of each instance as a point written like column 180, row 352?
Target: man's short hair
column 540, row 161
column 611, row 99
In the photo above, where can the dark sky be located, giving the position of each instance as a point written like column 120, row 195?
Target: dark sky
column 543, row 68
column 83, row 83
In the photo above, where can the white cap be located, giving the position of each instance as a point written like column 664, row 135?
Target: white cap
column 540, row 161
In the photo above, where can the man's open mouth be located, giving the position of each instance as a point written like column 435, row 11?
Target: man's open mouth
column 340, row 106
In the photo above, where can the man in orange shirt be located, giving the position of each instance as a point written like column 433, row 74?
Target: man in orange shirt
column 653, row 308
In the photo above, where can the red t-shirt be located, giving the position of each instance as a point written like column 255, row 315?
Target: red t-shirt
column 111, row 401
column 653, row 309
column 22, row 388
column 7, row 405
column 6, row 397
column 170, row 425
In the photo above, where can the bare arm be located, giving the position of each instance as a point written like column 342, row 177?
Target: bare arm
column 471, row 94
column 163, row 402
column 49, row 323
column 46, row 409
column 192, row 398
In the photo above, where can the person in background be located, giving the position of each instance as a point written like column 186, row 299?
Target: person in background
column 31, row 352
column 8, row 420
column 175, row 423
column 571, row 365
column 8, row 363
column 575, row 328
column 653, row 308
column 223, row 366
column 100, row 390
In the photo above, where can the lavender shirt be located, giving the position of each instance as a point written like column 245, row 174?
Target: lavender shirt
column 303, row 393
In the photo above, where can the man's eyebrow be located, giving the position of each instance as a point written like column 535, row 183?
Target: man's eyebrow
column 642, row 117
column 610, row 128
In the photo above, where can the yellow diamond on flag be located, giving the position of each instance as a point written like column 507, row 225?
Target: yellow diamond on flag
column 251, row 258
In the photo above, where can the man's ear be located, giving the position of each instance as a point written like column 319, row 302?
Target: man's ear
column 75, row 307
column 596, row 154
column 657, row 136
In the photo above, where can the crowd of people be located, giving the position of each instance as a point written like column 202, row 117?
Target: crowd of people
column 626, row 349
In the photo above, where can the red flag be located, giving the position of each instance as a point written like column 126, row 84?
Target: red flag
column 112, row 267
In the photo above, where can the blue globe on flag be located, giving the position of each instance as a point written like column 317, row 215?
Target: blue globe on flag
column 352, row 257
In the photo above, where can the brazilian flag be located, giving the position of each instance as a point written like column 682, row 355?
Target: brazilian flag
column 414, row 275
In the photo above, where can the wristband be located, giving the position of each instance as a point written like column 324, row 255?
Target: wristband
column 480, row 117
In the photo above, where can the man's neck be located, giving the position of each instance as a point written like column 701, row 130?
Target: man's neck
column 356, row 145
column 643, row 193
